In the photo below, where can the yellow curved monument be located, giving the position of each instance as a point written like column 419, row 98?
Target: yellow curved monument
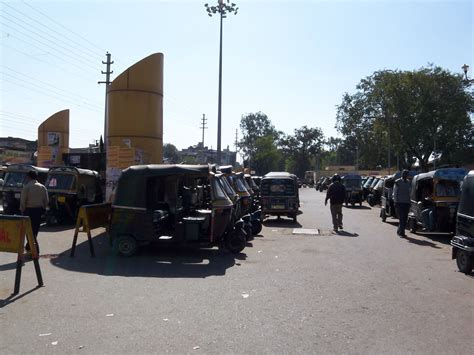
column 53, row 139
column 135, row 117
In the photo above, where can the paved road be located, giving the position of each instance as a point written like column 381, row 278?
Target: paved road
column 363, row 291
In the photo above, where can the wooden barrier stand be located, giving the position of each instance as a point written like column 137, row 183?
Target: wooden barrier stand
column 12, row 240
column 91, row 217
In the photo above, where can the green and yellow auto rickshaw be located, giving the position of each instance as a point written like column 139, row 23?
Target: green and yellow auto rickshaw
column 353, row 185
column 235, row 180
column 463, row 241
column 15, row 178
column 279, row 195
column 172, row 205
column 434, row 200
column 69, row 188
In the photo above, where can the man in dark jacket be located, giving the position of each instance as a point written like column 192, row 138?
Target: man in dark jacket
column 401, row 197
column 337, row 195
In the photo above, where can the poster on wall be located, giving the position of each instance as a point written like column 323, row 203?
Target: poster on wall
column 53, row 139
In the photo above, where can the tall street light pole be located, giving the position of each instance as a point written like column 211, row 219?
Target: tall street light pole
column 222, row 8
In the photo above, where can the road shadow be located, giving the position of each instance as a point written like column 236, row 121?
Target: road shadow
column 425, row 243
column 57, row 228
column 281, row 223
column 343, row 233
column 436, row 237
column 9, row 266
column 358, row 207
column 152, row 261
column 12, row 298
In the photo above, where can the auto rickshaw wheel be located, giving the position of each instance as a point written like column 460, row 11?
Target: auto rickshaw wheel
column 256, row 227
column 464, row 261
column 236, row 241
column 126, row 245
column 412, row 224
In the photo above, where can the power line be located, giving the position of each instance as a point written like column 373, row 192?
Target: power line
column 12, row 120
column 65, row 54
column 64, row 97
column 72, row 95
column 82, row 77
column 64, row 27
column 55, row 97
column 60, row 39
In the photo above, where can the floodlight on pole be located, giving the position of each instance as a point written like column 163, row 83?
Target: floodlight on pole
column 465, row 69
column 222, row 8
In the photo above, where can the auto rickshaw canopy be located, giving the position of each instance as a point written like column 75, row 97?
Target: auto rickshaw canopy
column 445, row 174
column 466, row 204
column 131, row 189
column 73, row 170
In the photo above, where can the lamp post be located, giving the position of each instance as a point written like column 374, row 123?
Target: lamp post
column 222, row 8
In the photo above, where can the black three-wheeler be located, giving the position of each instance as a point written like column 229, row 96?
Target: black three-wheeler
column 279, row 195
column 463, row 241
column 434, row 200
column 69, row 188
column 353, row 185
column 15, row 177
column 173, row 205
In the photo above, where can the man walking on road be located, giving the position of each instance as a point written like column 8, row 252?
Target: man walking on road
column 337, row 195
column 401, row 197
column 33, row 202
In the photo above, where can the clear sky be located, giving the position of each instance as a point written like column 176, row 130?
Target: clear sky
column 292, row 60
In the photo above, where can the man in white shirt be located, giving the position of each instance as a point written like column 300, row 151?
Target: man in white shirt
column 33, row 202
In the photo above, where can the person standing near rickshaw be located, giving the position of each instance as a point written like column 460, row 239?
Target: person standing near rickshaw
column 33, row 202
column 337, row 195
column 401, row 197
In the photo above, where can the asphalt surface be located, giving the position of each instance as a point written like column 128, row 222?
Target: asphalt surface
column 363, row 291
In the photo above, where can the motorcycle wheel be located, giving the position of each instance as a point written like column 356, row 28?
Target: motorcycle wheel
column 383, row 215
column 464, row 261
column 235, row 241
column 256, row 227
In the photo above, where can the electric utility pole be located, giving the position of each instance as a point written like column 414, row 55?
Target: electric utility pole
column 203, row 127
column 107, row 82
column 236, row 139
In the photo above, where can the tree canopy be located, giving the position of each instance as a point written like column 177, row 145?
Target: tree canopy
column 301, row 148
column 254, row 126
column 171, row 153
column 415, row 112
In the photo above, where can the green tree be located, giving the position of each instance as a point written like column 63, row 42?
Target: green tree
column 171, row 153
column 254, row 126
column 267, row 157
column 302, row 148
column 415, row 110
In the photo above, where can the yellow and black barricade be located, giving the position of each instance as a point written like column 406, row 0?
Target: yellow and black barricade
column 13, row 230
column 91, row 217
